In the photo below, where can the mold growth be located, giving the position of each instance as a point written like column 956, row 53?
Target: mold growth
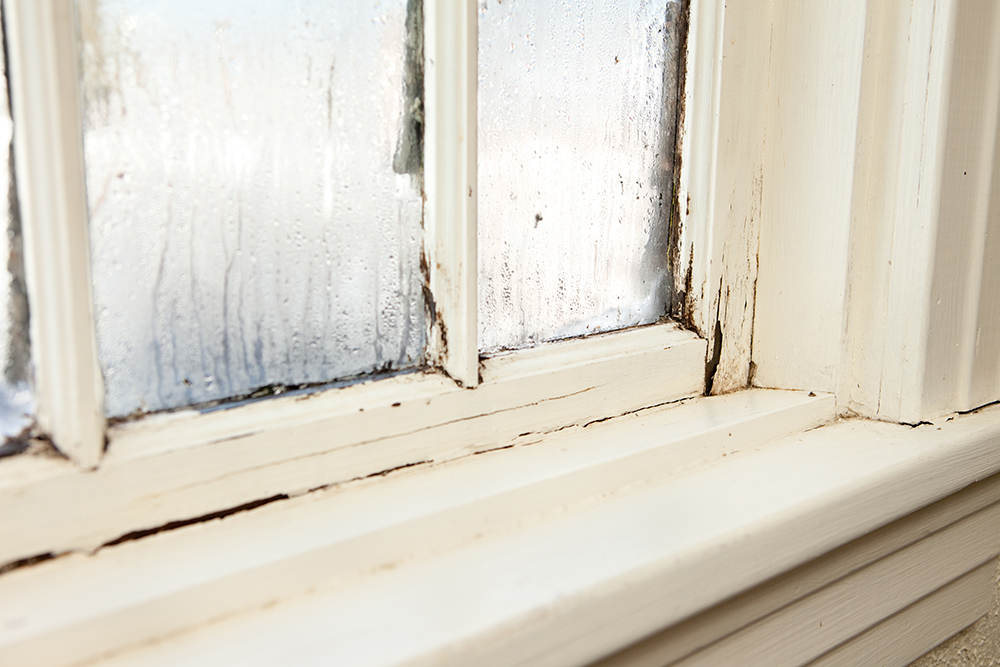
column 410, row 146
column 681, row 306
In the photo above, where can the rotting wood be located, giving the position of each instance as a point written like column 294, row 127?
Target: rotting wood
column 368, row 530
column 189, row 465
column 522, row 440
column 723, row 138
column 579, row 628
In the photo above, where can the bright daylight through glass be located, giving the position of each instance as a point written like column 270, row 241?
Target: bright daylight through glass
column 577, row 107
column 254, row 194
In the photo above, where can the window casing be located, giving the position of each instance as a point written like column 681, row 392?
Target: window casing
column 742, row 58
column 360, row 426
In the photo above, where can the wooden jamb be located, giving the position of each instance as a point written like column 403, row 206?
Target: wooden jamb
column 48, row 154
column 450, row 80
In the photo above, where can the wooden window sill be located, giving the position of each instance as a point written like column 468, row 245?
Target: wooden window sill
column 715, row 512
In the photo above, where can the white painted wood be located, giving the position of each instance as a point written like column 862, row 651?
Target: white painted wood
column 215, row 569
column 906, row 636
column 922, row 287
column 722, row 149
column 665, row 357
column 698, row 160
column 805, row 208
column 894, row 121
column 878, row 271
column 48, row 153
column 896, row 205
column 986, row 372
column 683, row 639
column 584, row 575
column 959, row 307
column 822, row 621
column 590, row 362
column 185, row 465
column 570, row 586
column 450, row 173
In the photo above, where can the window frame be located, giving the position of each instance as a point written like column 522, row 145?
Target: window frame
column 879, row 474
column 270, row 447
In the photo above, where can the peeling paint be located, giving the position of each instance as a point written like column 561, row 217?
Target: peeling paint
column 174, row 525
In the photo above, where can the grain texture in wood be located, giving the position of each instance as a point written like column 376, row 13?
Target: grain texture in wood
column 722, row 146
column 805, row 203
column 214, row 569
column 450, row 80
column 685, row 638
column 897, row 640
column 977, row 645
column 189, row 464
column 581, row 583
column 921, row 325
column 835, row 614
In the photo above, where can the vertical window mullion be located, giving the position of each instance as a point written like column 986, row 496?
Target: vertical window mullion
column 48, row 154
column 450, row 79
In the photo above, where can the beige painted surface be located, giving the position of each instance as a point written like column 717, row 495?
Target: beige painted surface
column 976, row 646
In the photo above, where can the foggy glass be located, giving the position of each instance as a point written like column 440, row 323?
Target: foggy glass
column 253, row 182
column 577, row 106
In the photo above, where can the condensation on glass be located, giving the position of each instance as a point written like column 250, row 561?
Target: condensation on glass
column 577, row 107
column 16, row 405
column 253, row 180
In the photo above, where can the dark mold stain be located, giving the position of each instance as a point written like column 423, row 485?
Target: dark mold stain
column 410, row 146
column 682, row 306
column 713, row 363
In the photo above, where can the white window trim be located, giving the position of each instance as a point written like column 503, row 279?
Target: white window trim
column 711, row 498
column 222, row 459
column 67, row 383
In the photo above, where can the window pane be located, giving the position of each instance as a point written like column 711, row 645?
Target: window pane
column 576, row 135
column 15, row 394
column 255, row 205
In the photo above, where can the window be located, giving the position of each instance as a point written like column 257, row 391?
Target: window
column 248, row 225
column 810, row 134
column 253, row 184
column 180, row 204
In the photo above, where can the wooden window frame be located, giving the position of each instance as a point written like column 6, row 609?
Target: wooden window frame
column 228, row 456
column 742, row 518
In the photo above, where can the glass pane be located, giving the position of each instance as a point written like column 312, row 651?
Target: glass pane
column 576, row 134
column 253, row 175
column 16, row 407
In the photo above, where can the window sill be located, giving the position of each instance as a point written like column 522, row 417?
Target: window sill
column 561, row 552
column 179, row 466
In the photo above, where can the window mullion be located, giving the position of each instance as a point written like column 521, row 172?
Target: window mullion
column 450, row 66
column 48, row 154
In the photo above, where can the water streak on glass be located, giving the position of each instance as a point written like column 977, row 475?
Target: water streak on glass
column 254, row 193
column 577, row 107
column 16, row 405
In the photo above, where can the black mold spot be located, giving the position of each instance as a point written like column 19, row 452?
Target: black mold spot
column 713, row 363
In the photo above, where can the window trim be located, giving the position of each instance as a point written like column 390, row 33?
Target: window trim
column 943, row 461
column 48, row 153
column 44, row 77
column 225, row 458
